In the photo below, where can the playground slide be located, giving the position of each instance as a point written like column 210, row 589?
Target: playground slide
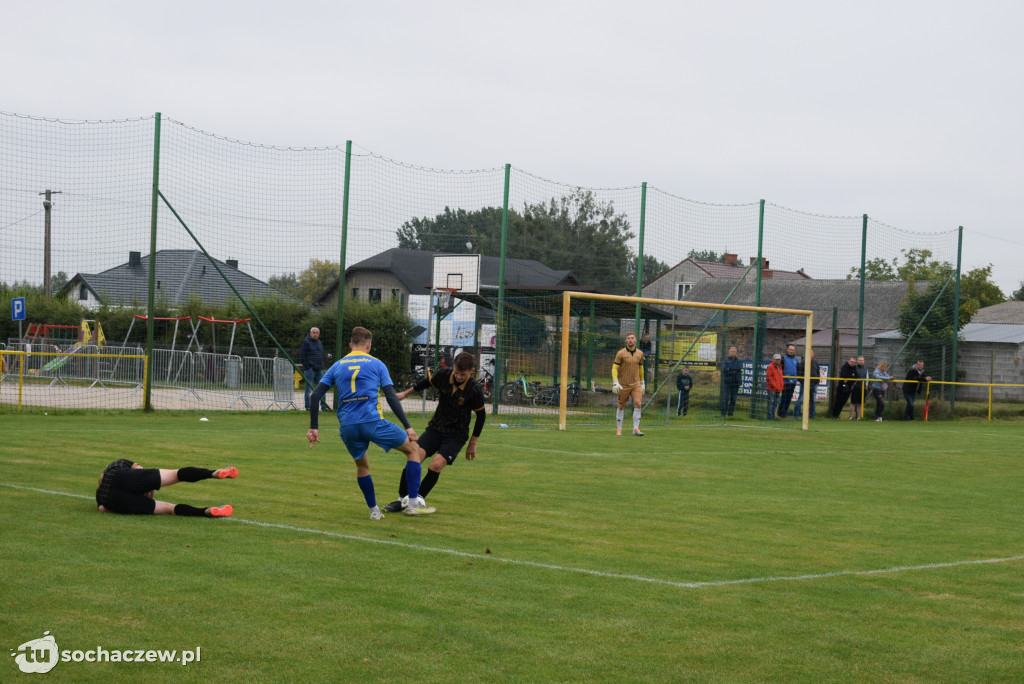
column 61, row 360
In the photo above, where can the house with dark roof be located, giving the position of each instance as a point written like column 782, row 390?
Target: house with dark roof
column 180, row 273
column 676, row 282
column 823, row 297
column 397, row 273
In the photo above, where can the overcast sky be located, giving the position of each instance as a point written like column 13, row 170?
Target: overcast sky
column 907, row 111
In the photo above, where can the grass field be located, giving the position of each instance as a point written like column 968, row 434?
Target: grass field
column 852, row 552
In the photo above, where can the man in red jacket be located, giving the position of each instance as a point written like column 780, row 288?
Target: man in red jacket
column 773, row 384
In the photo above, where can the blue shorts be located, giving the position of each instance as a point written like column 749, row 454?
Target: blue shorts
column 383, row 433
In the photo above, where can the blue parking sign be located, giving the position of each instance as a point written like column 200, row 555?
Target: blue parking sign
column 17, row 308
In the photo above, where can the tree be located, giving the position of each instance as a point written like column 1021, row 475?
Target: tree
column 309, row 284
column 917, row 265
column 58, row 280
column 977, row 288
column 707, row 255
column 1018, row 295
column 652, row 269
column 575, row 232
column 287, row 283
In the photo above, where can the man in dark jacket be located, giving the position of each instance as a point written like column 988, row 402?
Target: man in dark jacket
column 847, row 375
column 732, row 372
column 914, row 385
column 684, row 383
column 311, row 356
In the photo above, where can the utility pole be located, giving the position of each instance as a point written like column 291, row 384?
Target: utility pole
column 47, row 205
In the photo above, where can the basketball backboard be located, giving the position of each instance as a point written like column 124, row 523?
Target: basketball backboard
column 459, row 271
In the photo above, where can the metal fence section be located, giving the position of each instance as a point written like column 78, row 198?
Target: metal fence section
column 284, row 385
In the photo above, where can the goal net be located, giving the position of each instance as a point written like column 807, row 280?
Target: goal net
column 557, row 355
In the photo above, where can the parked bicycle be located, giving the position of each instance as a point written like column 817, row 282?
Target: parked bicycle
column 486, row 380
column 519, row 391
column 550, row 396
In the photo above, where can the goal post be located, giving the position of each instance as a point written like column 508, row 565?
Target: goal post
column 567, row 325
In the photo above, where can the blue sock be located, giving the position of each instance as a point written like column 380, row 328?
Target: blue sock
column 366, row 484
column 413, row 471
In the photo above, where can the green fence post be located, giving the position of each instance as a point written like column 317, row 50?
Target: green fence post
column 591, row 333
column 499, row 366
column 340, row 345
column 640, row 256
column 863, row 276
column 147, row 404
column 758, row 341
column 956, row 315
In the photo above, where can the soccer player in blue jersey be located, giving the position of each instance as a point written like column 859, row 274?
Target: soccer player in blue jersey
column 359, row 378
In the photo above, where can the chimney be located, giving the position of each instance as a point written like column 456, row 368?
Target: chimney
column 134, row 258
column 730, row 259
column 232, row 263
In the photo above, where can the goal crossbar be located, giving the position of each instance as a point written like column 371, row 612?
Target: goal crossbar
column 568, row 296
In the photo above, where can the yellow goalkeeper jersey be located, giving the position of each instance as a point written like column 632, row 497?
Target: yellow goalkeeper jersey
column 629, row 363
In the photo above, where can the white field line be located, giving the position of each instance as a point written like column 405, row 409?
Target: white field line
column 585, row 571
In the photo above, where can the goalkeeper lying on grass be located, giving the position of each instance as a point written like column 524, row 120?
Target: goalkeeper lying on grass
column 127, row 487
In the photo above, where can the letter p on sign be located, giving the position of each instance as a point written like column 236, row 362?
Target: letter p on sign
column 17, row 308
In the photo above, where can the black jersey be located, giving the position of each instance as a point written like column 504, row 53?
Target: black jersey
column 455, row 403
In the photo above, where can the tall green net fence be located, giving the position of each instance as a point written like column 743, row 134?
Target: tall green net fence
column 254, row 244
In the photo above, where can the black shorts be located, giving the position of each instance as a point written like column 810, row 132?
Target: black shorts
column 124, row 491
column 448, row 444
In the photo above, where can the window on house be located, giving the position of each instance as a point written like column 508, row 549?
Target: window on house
column 355, row 293
column 83, row 293
column 374, row 294
column 682, row 289
column 396, row 293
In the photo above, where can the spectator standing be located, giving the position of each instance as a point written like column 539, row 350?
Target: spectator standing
column 311, row 356
column 811, row 394
column 913, row 386
column 790, row 362
column 774, row 384
column 684, row 383
column 858, row 389
column 878, row 387
column 732, row 372
column 843, row 387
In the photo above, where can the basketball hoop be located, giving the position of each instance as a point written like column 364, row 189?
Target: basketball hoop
column 444, row 296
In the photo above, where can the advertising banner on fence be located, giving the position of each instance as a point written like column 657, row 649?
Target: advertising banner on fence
column 696, row 351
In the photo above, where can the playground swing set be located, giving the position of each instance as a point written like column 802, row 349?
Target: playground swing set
column 193, row 341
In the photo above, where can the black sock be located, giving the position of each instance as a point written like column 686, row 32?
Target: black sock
column 403, row 487
column 428, row 482
column 189, row 511
column 194, row 474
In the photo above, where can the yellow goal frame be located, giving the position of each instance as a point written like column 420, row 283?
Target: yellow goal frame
column 567, row 298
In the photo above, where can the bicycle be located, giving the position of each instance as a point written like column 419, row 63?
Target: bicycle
column 519, row 391
column 487, row 383
column 549, row 396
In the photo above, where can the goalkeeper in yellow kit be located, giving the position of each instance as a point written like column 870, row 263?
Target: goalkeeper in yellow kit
column 628, row 381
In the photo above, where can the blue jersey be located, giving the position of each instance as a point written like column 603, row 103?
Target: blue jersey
column 358, row 377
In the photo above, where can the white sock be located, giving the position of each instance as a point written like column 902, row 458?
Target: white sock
column 636, row 419
column 619, row 415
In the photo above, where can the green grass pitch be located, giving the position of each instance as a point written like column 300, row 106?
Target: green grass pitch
column 852, row 552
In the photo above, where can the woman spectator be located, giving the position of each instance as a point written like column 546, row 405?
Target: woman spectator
column 878, row 387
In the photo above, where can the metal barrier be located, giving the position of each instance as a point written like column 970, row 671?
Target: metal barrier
column 250, row 382
column 284, row 385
